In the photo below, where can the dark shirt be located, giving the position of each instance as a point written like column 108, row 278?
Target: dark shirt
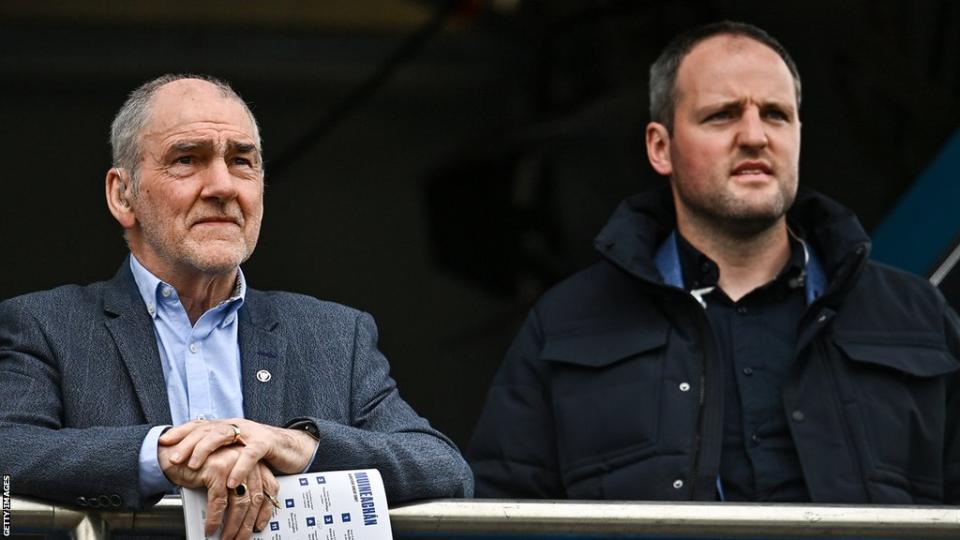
column 756, row 337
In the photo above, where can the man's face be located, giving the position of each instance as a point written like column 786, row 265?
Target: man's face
column 735, row 148
column 200, row 199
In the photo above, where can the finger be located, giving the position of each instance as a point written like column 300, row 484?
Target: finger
column 256, row 502
column 183, row 449
column 270, row 490
column 182, row 476
column 216, row 507
column 239, row 505
column 270, row 483
column 218, row 436
column 176, row 434
column 250, row 455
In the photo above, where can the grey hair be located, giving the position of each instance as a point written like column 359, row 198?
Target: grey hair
column 663, row 72
column 132, row 117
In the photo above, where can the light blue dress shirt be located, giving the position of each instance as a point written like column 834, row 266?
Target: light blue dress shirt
column 201, row 363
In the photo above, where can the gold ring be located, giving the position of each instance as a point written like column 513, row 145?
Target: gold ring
column 273, row 500
column 240, row 490
column 236, row 435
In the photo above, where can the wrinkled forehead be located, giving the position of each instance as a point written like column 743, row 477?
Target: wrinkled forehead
column 730, row 64
column 198, row 109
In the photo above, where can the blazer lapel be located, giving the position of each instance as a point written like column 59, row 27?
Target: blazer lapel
column 130, row 325
column 262, row 361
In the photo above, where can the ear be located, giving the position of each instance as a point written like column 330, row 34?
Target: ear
column 658, row 148
column 118, row 198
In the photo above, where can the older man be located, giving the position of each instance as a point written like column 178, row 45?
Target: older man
column 256, row 383
column 735, row 342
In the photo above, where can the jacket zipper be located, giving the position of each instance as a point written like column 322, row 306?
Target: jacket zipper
column 700, row 311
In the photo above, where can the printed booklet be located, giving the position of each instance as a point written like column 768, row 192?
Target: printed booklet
column 338, row 505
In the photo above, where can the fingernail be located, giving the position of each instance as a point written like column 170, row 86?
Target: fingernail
column 175, row 457
column 257, row 529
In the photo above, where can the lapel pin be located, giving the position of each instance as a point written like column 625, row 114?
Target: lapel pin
column 264, row 375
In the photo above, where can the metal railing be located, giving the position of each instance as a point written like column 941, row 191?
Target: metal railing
column 457, row 518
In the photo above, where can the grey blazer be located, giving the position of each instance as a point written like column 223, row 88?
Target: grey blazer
column 81, row 384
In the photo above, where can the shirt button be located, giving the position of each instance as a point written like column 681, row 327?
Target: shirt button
column 799, row 416
column 151, row 310
column 166, row 292
column 742, row 310
column 677, row 484
column 822, row 318
column 684, row 387
column 193, row 348
column 755, row 438
column 748, row 371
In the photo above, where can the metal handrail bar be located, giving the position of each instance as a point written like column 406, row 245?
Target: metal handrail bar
column 51, row 517
column 548, row 518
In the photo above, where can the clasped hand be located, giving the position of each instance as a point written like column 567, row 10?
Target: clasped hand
column 223, row 455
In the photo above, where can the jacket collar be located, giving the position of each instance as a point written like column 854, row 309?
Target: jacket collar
column 262, row 358
column 638, row 238
column 667, row 260
column 636, row 230
column 131, row 326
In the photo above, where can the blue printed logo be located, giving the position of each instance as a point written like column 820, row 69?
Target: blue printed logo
column 328, row 519
column 321, row 480
column 303, row 481
column 311, row 522
column 289, row 503
column 345, row 517
column 274, row 526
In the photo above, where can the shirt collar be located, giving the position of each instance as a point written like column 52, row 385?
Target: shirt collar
column 151, row 289
column 700, row 271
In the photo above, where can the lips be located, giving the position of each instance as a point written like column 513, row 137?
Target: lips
column 750, row 168
column 215, row 220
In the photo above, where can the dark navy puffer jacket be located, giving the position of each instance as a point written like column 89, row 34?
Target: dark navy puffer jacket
column 613, row 388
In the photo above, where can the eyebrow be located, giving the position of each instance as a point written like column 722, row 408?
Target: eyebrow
column 206, row 145
column 242, row 147
column 738, row 105
column 190, row 146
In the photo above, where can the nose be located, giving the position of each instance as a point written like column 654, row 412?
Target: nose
column 218, row 183
column 752, row 132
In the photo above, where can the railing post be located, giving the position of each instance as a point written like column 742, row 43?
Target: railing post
column 91, row 527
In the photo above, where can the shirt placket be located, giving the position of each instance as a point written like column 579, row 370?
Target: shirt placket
column 751, row 390
column 198, row 379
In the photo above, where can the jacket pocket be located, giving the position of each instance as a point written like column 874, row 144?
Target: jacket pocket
column 599, row 347
column 918, row 355
column 606, row 395
column 899, row 387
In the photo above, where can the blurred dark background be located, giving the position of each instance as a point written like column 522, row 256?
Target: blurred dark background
column 440, row 164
